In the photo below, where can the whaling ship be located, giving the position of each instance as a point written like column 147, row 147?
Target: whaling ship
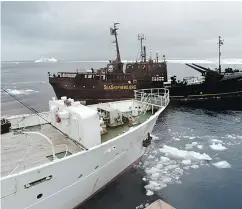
column 216, row 89
column 114, row 82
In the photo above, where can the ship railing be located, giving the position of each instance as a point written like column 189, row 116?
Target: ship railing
column 156, row 97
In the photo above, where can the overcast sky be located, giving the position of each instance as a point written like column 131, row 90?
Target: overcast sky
column 80, row 30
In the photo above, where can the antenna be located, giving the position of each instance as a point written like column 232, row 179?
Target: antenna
column 141, row 37
column 150, row 54
column 113, row 31
column 157, row 56
column 220, row 43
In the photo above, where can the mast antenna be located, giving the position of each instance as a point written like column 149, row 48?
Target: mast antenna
column 141, row 37
column 220, row 43
column 113, row 31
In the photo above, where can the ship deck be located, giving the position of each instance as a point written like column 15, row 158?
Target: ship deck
column 20, row 152
column 116, row 131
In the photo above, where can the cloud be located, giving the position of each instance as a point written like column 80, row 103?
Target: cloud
column 80, row 30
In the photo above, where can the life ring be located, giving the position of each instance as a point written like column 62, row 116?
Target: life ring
column 57, row 119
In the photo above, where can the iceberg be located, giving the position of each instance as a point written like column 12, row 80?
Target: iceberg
column 43, row 59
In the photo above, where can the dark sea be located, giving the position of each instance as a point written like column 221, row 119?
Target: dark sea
column 195, row 160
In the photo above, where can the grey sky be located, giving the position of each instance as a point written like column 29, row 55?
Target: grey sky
column 80, row 30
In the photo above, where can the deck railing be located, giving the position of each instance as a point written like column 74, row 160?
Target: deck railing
column 158, row 97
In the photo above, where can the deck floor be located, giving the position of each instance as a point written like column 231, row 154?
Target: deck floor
column 15, row 146
column 115, row 131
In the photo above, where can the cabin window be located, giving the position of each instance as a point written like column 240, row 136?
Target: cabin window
column 59, row 155
column 134, row 81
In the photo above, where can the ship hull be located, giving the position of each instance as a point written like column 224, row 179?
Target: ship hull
column 221, row 101
column 77, row 177
column 224, row 94
column 101, row 92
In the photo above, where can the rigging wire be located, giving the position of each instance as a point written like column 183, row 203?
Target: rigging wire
column 23, row 103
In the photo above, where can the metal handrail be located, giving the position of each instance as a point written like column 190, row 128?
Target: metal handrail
column 159, row 95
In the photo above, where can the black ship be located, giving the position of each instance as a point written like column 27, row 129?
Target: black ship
column 116, row 81
column 217, row 90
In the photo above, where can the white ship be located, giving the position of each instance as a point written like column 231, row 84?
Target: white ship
column 60, row 158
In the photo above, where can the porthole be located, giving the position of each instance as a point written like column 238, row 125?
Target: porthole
column 39, row 196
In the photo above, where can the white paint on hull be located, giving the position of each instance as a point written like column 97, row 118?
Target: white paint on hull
column 76, row 177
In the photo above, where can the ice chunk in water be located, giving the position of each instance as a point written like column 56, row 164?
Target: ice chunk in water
column 149, row 193
column 222, row 164
column 186, row 162
column 184, row 154
column 194, row 166
column 218, row 147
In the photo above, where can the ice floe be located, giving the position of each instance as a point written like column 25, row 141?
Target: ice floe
column 217, row 140
column 195, row 166
column 184, row 154
column 218, row 147
column 149, row 193
column 186, row 162
column 154, row 137
column 18, row 92
column 222, row 164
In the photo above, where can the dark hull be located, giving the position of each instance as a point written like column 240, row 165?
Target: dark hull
column 98, row 94
column 225, row 94
column 228, row 101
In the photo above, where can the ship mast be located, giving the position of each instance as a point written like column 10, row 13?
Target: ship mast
column 220, row 43
column 141, row 37
column 113, row 31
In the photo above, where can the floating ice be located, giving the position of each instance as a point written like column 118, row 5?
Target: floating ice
column 199, row 146
column 218, row 147
column 192, row 137
column 152, row 170
column 149, row 193
column 154, row 137
column 230, row 136
column 151, row 157
column 153, row 186
column 164, row 159
column 222, row 164
column 44, row 59
column 18, row 92
column 217, row 140
column 184, row 154
column 194, row 166
column 154, row 176
column 139, row 207
column 186, row 162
